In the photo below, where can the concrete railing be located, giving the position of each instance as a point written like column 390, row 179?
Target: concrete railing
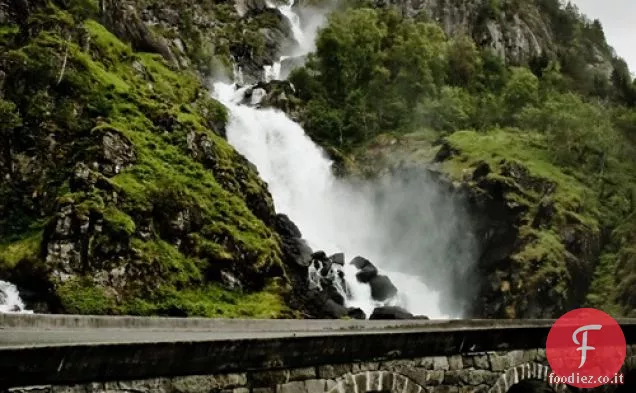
column 63, row 349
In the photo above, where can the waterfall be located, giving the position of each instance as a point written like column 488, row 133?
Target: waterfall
column 10, row 301
column 332, row 214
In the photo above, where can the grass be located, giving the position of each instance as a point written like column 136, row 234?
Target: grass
column 26, row 248
column 570, row 195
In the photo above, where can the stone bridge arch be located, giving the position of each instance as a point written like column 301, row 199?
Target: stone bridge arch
column 375, row 381
column 524, row 372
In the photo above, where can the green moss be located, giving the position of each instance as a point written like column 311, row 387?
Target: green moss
column 119, row 221
column 215, row 302
column 603, row 291
column 81, row 296
column 572, row 198
column 26, row 248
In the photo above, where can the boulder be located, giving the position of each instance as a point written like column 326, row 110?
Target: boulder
column 356, row 313
column 334, row 309
column 382, row 288
column 367, row 270
column 319, row 256
column 338, row 258
column 390, row 312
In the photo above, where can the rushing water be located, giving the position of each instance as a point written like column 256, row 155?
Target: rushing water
column 10, row 301
column 332, row 214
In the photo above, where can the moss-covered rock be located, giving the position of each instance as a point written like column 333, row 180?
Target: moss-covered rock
column 120, row 194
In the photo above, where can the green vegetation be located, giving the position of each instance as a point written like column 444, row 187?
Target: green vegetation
column 155, row 233
column 554, row 133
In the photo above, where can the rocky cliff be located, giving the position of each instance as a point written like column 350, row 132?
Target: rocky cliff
column 119, row 192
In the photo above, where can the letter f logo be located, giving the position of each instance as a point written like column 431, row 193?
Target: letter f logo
column 584, row 348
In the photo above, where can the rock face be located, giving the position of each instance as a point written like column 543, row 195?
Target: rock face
column 517, row 34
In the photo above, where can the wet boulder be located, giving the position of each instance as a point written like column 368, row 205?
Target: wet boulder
column 382, row 288
column 390, row 312
column 367, row 270
column 338, row 258
column 356, row 313
column 319, row 256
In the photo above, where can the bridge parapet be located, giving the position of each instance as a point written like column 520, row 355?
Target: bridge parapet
column 69, row 354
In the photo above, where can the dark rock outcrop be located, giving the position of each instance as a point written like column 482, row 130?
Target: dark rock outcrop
column 356, row 313
column 390, row 312
column 367, row 270
column 382, row 288
column 275, row 94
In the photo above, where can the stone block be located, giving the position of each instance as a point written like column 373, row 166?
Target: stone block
column 292, row 387
column 499, row 362
column 68, row 389
column 158, row 385
column 361, row 380
column 264, row 390
column 378, row 380
column 453, row 377
column 398, row 365
column 516, row 357
column 427, row 363
column 440, row 363
column 365, row 366
column 481, row 362
column 445, row 389
column 268, row 378
column 478, row 377
column 434, row 377
column 455, row 362
column 31, row 389
column 333, row 371
column 206, row 383
column 468, row 361
column 315, row 385
column 529, row 355
column 296, row 374
column 399, row 383
column 474, row 389
column 237, row 390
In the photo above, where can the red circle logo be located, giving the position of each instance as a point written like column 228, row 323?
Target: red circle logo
column 585, row 349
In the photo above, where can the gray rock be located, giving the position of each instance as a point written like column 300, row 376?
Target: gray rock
column 390, row 312
column 382, row 288
column 367, row 270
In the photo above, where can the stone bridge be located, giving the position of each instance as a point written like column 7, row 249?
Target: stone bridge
column 85, row 354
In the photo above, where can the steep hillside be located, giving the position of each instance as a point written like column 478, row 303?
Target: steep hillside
column 119, row 193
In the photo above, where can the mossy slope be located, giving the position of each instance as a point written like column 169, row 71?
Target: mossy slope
column 121, row 197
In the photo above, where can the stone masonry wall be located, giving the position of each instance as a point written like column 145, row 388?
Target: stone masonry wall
column 485, row 372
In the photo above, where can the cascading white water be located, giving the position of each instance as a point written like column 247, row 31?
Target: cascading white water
column 10, row 301
column 332, row 214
